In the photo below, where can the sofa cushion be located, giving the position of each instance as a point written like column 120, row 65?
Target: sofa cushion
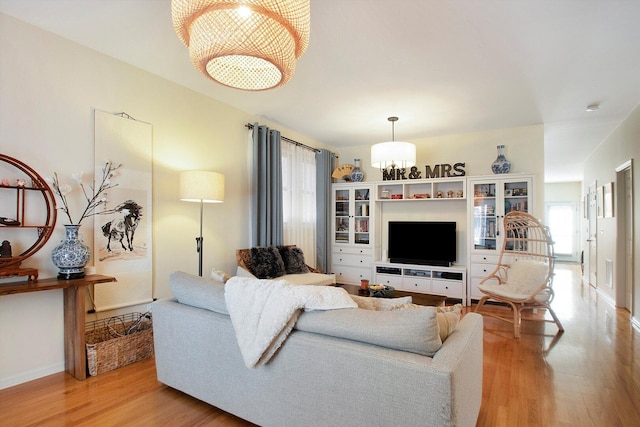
column 448, row 317
column 266, row 262
column 310, row 279
column 219, row 275
column 198, row 292
column 297, row 279
column 370, row 303
column 293, row 259
column 415, row 331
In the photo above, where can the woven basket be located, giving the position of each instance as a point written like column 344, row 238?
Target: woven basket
column 118, row 341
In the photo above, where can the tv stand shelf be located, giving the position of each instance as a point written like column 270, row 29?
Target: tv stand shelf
column 448, row 281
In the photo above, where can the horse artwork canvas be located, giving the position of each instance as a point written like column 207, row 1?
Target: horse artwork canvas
column 122, row 235
column 125, row 227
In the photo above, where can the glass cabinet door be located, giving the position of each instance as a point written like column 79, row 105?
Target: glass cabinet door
column 342, row 216
column 361, row 216
column 485, row 216
column 516, row 196
column 352, row 215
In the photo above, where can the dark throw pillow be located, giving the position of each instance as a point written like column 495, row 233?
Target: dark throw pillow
column 266, row 262
column 293, row 260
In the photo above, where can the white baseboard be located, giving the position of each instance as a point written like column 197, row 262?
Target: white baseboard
column 606, row 297
column 635, row 322
column 24, row 377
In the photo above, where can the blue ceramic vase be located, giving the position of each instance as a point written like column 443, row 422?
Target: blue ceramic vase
column 501, row 164
column 71, row 255
column 356, row 174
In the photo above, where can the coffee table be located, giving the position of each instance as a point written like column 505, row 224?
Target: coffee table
column 416, row 297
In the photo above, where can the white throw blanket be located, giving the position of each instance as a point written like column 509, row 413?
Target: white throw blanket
column 263, row 312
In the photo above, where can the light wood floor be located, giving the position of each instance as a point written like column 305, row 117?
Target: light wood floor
column 587, row 376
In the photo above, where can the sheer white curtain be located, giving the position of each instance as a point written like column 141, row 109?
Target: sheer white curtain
column 299, row 199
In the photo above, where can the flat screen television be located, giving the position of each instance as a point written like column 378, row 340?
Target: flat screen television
column 422, row 242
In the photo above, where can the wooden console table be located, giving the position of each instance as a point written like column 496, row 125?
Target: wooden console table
column 75, row 359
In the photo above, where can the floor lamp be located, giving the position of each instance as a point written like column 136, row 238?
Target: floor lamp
column 203, row 187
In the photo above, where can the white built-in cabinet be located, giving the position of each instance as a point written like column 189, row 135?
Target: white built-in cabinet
column 448, row 281
column 357, row 210
column 353, row 232
column 490, row 198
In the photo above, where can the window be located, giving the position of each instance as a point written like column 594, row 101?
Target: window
column 299, row 199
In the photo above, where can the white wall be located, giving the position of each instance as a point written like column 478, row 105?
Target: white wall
column 49, row 88
column 563, row 192
column 622, row 145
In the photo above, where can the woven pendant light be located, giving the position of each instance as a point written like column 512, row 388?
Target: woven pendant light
column 244, row 44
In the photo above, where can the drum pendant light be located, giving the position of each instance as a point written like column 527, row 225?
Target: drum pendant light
column 393, row 154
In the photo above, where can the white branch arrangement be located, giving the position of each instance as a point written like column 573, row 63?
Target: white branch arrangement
column 95, row 196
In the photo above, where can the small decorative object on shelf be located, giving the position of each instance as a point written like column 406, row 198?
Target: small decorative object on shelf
column 71, row 255
column 5, row 249
column 343, row 172
column 501, row 164
column 356, row 174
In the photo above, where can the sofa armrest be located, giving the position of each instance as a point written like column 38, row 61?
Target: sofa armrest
column 462, row 355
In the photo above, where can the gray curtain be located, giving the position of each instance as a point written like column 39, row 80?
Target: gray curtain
column 325, row 161
column 266, row 200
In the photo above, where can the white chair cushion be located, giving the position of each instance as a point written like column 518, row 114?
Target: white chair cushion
column 507, row 293
column 526, row 276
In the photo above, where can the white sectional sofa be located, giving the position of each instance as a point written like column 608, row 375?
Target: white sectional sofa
column 342, row 367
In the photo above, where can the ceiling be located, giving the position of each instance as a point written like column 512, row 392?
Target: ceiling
column 443, row 67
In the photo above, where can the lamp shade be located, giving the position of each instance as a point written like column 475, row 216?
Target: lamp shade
column 394, row 153
column 201, row 186
column 244, row 44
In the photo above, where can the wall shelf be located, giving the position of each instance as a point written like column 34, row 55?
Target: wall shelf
column 412, row 190
column 35, row 213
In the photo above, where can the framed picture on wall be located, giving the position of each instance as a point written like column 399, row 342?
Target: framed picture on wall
column 608, row 199
column 600, row 202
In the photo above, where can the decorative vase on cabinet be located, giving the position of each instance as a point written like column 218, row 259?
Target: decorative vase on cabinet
column 71, row 255
column 356, row 174
column 501, row 164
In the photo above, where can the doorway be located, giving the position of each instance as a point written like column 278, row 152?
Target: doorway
column 591, row 261
column 624, row 238
column 563, row 225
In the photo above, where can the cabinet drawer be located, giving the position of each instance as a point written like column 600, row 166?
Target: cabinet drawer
column 488, row 259
column 416, row 284
column 352, row 250
column 351, row 275
column 389, row 279
column 447, row 287
column 482, row 270
column 352, row 259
